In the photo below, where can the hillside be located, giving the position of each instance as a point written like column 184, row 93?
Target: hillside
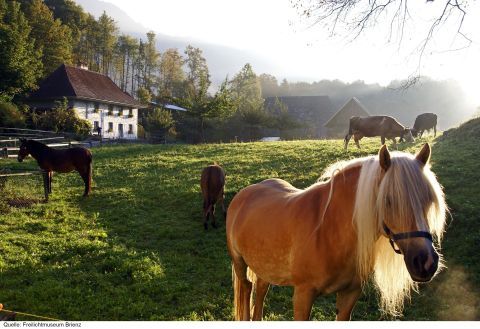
column 136, row 249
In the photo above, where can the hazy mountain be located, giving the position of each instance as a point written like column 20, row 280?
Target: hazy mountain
column 222, row 60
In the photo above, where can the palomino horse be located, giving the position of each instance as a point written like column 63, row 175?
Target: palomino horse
column 212, row 184
column 63, row 161
column 331, row 236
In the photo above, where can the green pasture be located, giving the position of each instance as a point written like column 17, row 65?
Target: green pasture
column 136, row 248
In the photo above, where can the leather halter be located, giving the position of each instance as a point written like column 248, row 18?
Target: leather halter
column 407, row 235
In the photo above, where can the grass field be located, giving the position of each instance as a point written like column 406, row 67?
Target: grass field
column 136, row 249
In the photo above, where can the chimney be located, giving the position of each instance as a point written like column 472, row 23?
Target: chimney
column 82, row 65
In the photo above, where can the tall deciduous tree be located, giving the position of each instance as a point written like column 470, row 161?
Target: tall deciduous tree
column 171, row 75
column 20, row 64
column 53, row 38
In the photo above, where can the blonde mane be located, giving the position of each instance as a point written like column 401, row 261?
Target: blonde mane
column 408, row 185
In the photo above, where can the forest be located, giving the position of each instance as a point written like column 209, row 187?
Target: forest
column 37, row 36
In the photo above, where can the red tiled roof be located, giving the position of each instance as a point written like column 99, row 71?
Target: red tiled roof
column 75, row 83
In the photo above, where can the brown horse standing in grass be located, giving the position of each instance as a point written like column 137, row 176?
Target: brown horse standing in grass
column 62, row 161
column 212, row 184
column 330, row 237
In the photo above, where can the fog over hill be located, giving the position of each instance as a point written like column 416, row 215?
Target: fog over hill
column 221, row 60
column 446, row 98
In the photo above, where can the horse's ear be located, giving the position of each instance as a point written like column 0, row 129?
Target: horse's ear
column 384, row 157
column 424, row 155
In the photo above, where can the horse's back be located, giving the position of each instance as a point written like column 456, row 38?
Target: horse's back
column 212, row 182
column 263, row 226
column 73, row 158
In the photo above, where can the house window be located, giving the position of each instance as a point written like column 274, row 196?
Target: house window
column 110, row 127
column 96, row 108
column 120, row 111
column 130, row 129
column 95, row 125
column 110, row 110
column 130, row 113
column 120, row 130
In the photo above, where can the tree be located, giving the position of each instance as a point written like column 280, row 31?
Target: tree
column 151, row 61
column 268, row 85
column 171, row 76
column 105, row 40
column 198, row 76
column 53, row 38
column 144, row 95
column 11, row 116
column 159, row 123
column 246, row 90
column 20, row 64
column 281, row 119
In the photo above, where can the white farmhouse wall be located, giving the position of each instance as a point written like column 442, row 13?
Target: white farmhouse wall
column 86, row 110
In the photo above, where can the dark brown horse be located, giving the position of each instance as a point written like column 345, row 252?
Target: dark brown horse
column 212, row 184
column 62, row 161
column 332, row 236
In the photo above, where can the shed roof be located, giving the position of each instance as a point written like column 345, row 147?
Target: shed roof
column 352, row 104
column 76, row 83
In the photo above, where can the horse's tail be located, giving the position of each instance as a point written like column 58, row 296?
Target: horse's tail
column 240, row 294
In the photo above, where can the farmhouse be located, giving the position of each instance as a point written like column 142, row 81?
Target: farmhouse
column 310, row 111
column 337, row 125
column 94, row 97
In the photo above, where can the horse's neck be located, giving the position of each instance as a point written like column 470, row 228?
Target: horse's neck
column 39, row 151
column 337, row 201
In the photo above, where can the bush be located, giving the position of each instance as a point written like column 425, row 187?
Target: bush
column 11, row 116
column 64, row 119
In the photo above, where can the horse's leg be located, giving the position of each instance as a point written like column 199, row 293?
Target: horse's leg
column 212, row 210
column 434, row 131
column 303, row 298
column 85, row 176
column 222, row 199
column 346, row 300
column 261, row 289
column 242, row 289
column 50, row 179
column 206, row 214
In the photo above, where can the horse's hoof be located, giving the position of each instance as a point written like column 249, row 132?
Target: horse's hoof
column 205, row 225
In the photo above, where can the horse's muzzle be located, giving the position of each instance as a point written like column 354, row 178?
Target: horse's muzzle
column 422, row 265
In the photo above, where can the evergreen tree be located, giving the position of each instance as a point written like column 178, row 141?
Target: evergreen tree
column 20, row 64
column 106, row 38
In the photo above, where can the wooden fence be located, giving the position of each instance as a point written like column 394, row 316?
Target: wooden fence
column 10, row 140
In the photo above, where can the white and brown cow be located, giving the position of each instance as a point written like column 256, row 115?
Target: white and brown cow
column 381, row 125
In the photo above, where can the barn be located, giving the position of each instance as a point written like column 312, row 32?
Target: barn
column 337, row 125
column 94, row 97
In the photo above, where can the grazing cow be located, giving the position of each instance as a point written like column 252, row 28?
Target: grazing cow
column 212, row 184
column 425, row 122
column 381, row 125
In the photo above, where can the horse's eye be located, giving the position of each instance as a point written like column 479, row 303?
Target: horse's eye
column 388, row 202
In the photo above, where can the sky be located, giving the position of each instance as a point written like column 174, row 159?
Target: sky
column 273, row 29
